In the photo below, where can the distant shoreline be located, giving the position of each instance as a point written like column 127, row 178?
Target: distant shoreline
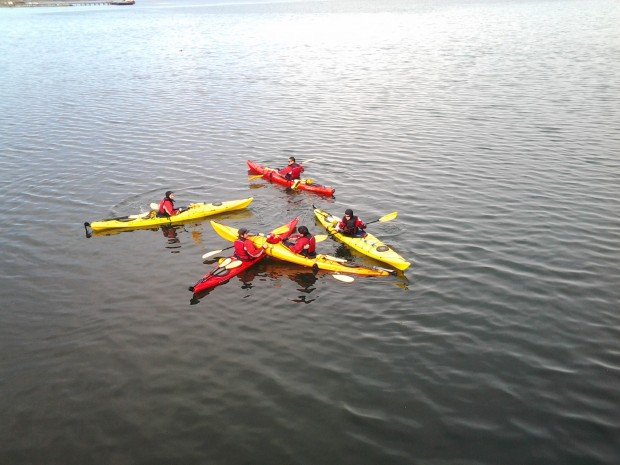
column 64, row 3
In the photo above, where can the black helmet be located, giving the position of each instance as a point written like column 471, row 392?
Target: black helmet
column 242, row 231
column 349, row 212
column 303, row 230
column 168, row 194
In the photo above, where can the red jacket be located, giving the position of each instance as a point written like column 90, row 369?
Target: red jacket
column 304, row 245
column 352, row 226
column 166, row 207
column 245, row 250
column 292, row 171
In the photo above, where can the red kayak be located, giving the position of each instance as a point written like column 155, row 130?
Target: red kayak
column 272, row 175
column 230, row 267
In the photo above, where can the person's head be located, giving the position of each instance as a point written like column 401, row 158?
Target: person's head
column 169, row 195
column 291, row 160
column 348, row 213
column 243, row 232
column 303, row 231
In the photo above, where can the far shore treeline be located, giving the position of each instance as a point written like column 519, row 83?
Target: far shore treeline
column 29, row 3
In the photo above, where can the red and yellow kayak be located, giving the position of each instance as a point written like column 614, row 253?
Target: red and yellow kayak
column 222, row 273
column 271, row 175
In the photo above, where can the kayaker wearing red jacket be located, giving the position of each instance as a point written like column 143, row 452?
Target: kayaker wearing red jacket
column 292, row 171
column 166, row 206
column 351, row 225
column 302, row 243
column 245, row 250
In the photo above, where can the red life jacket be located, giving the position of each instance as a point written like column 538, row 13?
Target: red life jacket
column 301, row 243
column 350, row 226
column 166, row 207
column 245, row 250
column 296, row 171
column 240, row 252
column 292, row 172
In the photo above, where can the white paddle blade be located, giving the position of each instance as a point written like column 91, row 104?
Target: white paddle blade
column 233, row 264
column 343, row 278
column 308, row 161
column 154, row 206
column 210, row 254
column 225, row 262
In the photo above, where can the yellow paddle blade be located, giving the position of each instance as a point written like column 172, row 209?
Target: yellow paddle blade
column 225, row 262
column 320, row 238
column 255, row 176
column 388, row 217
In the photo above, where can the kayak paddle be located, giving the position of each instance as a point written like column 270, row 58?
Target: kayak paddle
column 215, row 252
column 344, row 278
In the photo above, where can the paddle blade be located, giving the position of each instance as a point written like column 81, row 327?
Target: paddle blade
column 224, row 263
column 233, row 264
column 305, row 162
column 343, row 278
column 388, row 217
column 154, row 206
column 210, row 254
column 255, row 176
column 320, row 238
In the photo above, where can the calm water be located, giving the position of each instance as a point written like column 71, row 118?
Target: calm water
column 492, row 127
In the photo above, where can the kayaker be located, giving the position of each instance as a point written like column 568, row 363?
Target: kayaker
column 245, row 250
column 166, row 206
column 351, row 225
column 302, row 243
column 292, row 171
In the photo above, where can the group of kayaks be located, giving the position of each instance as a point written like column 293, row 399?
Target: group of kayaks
column 273, row 243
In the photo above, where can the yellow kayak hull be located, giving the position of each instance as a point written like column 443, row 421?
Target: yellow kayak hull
column 282, row 252
column 368, row 245
column 148, row 220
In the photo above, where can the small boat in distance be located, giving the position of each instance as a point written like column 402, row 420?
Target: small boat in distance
column 122, row 2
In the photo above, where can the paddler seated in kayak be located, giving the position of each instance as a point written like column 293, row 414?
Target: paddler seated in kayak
column 302, row 243
column 292, row 171
column 351, row 225
column 245, row 250
column 166, row 206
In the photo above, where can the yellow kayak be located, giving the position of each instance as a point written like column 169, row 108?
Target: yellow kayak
column 282, row 252
column 150, row 219
column 368, row 245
